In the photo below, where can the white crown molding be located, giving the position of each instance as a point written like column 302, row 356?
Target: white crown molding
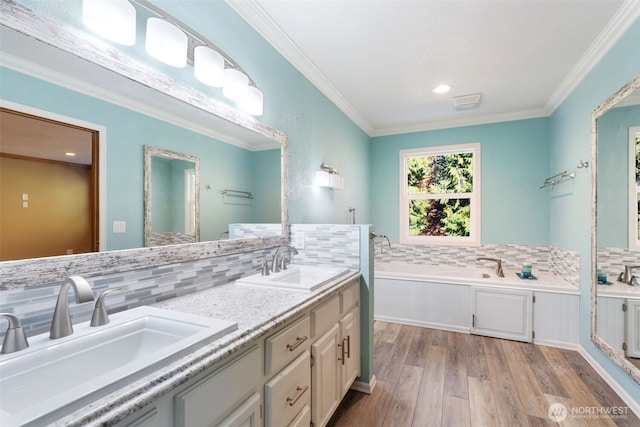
column 43, row 73
column 261, row 21
column 626, row 15
column 455, row 123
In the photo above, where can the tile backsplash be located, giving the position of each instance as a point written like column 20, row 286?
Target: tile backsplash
column 323, row 244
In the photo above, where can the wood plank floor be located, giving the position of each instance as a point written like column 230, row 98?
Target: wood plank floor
column 428, row 377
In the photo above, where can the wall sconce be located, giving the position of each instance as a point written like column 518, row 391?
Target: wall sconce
column 329, row 177
column 172, row 42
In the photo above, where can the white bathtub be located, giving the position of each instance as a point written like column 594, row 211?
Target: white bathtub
column 440, row 297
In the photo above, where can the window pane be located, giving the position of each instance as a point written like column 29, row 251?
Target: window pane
column 439, row 217
column 451, row 173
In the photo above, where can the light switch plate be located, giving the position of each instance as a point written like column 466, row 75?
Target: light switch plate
column 119, row 226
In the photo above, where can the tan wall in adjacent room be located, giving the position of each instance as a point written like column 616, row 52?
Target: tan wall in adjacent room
column 57, row 218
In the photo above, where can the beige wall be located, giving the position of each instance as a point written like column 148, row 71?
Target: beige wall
column 57, row 218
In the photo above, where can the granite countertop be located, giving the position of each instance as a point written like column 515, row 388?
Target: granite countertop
column 257, row 312
column 618, row 289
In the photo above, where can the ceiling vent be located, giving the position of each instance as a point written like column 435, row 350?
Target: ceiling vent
column 467, row 102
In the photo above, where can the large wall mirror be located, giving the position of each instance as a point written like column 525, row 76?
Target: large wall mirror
column 615, row 325
column 233, row 150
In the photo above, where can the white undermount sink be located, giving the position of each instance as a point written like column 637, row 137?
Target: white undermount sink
column 54, row 377
column 297, row 277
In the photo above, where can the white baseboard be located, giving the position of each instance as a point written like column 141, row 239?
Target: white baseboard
column 559, row 344
column 626, row 397
column 431, row 325
column 365, row 387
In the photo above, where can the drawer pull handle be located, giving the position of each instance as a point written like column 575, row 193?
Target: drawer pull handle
column 299, row 341
column 299, row 392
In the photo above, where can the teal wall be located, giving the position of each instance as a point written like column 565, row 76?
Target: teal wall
column 571, row 141
column 514, row 164
column 613, row 175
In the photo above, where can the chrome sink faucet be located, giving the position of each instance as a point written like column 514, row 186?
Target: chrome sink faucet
column 275, row 267
column 628, row 277
column 61, row 324
column 14, row 338
column 499, row 271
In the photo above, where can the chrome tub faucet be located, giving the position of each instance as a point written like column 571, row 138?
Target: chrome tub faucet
column 499, row 271
column 61, row 324
column 627, row 276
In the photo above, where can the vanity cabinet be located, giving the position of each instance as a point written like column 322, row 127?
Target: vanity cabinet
column 502, row 313
column 291, row 378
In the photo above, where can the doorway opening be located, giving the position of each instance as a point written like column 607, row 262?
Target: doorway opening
column 49, row 187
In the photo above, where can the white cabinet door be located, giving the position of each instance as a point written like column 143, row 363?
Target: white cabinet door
column 502, row 313
column 349, row 351
column 204, row 403
column 633, row 328
column 610, row 324
column 555, row 319
column 325, row 377
column 246, row 415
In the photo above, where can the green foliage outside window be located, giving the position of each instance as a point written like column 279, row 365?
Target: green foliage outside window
column 434, row 175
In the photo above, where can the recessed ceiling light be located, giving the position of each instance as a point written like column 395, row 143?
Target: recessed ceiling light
column 443, row 88
column 70, row 154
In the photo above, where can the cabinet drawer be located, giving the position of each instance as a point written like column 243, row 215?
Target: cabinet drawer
column 350, row 296
column 288, row 392
column 286, row 345
column 206, row 401
column 325, row 315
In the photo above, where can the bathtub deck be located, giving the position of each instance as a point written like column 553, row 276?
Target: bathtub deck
column 429, row 377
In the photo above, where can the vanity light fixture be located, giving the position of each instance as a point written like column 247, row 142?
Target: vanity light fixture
column 70, row 154
column 114, row 20
column 166, row 42
column 329, row 177
column 172, row 42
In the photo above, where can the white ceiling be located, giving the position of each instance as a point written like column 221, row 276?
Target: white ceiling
column 379, row 60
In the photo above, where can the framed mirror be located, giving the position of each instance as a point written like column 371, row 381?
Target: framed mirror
column 53, row 50
column 615, row 296
column 171, row 197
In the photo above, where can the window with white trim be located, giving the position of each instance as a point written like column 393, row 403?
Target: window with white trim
column 440, row 195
